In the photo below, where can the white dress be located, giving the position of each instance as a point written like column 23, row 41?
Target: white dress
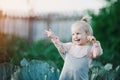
column 76, row 63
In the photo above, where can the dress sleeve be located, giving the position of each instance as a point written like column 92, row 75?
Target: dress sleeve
column 63, row 48
column 96, row 50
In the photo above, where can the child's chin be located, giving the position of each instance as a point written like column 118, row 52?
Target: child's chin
column 78, row 44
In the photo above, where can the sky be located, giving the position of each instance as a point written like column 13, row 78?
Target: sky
column 42, row 6
column 70, row 5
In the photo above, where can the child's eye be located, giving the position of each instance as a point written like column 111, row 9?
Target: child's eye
column 72, row 34
column 77, row 33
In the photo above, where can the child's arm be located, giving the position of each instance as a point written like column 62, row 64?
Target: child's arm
column 59, row 45
column 96, row 49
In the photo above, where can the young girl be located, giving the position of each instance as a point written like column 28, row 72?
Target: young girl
column 77, row 54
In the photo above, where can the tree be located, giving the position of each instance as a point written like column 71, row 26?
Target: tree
column 106, row 27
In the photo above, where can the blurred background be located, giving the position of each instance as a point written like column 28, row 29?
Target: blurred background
column 22, row 37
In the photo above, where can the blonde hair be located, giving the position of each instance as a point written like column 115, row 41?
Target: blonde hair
column 85, row 24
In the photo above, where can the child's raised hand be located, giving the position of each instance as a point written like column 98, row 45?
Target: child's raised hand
column 49, row 33
column 91, row 39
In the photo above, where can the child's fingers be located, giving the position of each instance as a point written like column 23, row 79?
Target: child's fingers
column 91, row 39
column 48, row 32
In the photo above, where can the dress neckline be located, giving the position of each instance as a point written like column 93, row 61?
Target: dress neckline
column 81, row 46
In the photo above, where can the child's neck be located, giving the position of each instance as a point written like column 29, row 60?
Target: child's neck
column 83, row 44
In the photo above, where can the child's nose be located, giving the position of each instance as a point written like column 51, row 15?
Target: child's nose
column 76, row 36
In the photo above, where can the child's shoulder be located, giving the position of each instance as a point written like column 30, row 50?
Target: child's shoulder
column 69, row 43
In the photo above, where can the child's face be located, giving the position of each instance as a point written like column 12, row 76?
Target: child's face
column 79, row 36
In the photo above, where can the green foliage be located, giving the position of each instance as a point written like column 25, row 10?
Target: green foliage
column 106, row 26
column 44, row 50
column 6, row 69
column 11, row 47
column 17, row 48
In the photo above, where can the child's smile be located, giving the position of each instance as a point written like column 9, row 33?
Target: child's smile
column 77, row 39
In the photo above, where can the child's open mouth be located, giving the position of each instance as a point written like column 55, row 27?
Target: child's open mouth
column 77, row 39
